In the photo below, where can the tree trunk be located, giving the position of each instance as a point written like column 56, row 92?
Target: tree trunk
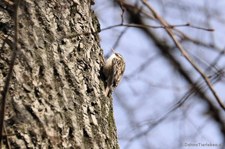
column 55, row 97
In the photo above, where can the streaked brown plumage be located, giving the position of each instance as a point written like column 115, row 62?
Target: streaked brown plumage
column 113, row 71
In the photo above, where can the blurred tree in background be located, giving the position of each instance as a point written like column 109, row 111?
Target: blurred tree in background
column 172, row 94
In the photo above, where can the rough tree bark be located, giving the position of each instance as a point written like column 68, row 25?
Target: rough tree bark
column 55, row 97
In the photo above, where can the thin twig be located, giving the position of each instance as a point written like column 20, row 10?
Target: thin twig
column 154, row 26
column 185, row 37
column 122, row 9
column 136, row 26
column 184, row 53
column 118, row 39
column 9, row 75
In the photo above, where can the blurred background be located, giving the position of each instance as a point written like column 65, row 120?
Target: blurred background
column 163, row 100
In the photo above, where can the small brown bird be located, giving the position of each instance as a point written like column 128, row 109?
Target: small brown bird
column 113, row 71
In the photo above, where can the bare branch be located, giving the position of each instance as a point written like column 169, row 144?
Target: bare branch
column 184, row 53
